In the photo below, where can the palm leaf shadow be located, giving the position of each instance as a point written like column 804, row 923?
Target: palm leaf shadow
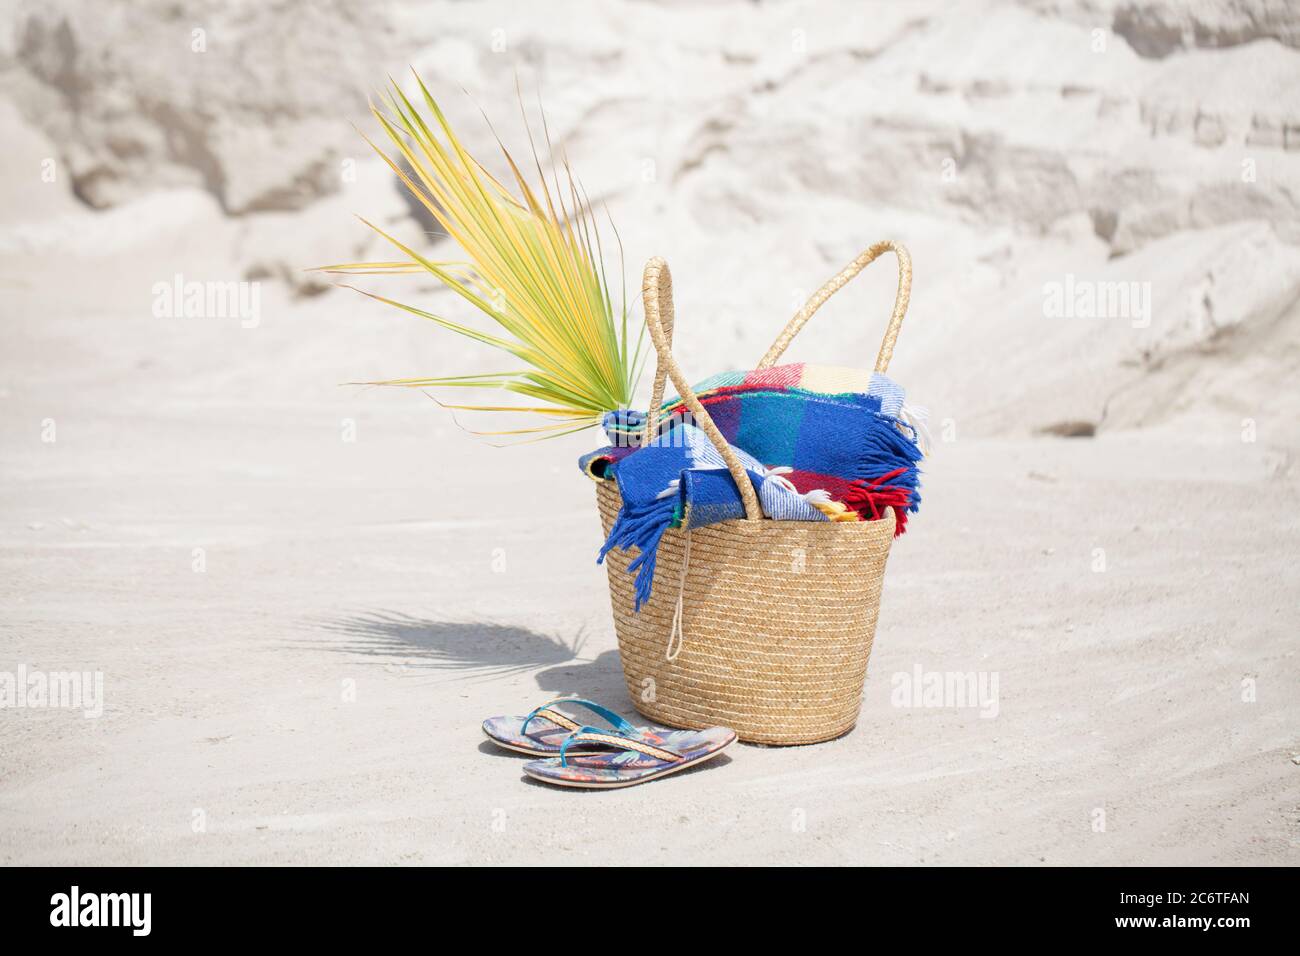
column 471, row 646
column 478, row 649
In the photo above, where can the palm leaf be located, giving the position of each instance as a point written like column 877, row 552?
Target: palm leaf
column 533, row 267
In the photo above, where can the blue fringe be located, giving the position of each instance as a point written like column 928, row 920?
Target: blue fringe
column 641, row 528
column 890, row 448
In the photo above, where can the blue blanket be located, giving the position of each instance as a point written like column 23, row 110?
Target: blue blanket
column 813, row 451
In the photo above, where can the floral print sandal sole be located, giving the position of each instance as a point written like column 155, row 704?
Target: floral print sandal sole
column 542, row 732
column 632, row 758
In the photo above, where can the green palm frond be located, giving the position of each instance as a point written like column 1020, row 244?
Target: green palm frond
column 533, row 266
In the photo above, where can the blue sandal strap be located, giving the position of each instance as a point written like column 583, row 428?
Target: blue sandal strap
column 619, row 724
column 621, row 740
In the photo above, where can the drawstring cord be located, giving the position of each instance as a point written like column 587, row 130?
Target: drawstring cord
column 675, row 635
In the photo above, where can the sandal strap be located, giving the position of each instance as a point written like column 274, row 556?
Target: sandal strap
column 549, row 712
column 555, row 717
column 595, row 735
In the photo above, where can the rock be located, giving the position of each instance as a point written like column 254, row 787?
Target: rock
column 251, row 103
column 1070, row 429
column 1157, row 29
column 302, row 283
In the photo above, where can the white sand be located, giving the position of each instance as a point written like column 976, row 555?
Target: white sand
column 314, row 693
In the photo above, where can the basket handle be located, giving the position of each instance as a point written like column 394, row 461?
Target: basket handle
column 667, row 320
column 657, row 294
column 838, row 282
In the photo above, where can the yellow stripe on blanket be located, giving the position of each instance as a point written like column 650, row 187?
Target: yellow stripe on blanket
column 835, row 510
column 834, row 379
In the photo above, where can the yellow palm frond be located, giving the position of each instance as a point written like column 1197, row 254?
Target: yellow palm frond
column 533, row 266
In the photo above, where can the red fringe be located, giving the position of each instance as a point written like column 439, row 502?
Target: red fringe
column 870, row 499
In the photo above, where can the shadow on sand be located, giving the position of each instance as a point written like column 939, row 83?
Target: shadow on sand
column 475, row 649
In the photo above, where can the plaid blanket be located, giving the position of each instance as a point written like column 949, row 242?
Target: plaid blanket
column 818, row 443
column 680, row 480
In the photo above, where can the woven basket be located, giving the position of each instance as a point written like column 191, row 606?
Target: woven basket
column 769, row 628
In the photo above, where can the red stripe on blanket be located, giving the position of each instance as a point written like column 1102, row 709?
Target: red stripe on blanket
column 723, row 392
column 806, row 481
column 782, row 376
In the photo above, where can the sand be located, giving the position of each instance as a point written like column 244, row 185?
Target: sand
column 303, row 598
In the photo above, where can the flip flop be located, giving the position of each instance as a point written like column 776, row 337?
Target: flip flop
column 634, row 758
column 542, row 732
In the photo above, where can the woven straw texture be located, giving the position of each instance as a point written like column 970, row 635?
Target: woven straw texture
column 777, row 617
column 777, row 623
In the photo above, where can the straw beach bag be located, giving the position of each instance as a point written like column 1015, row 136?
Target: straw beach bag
column 759, row 625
